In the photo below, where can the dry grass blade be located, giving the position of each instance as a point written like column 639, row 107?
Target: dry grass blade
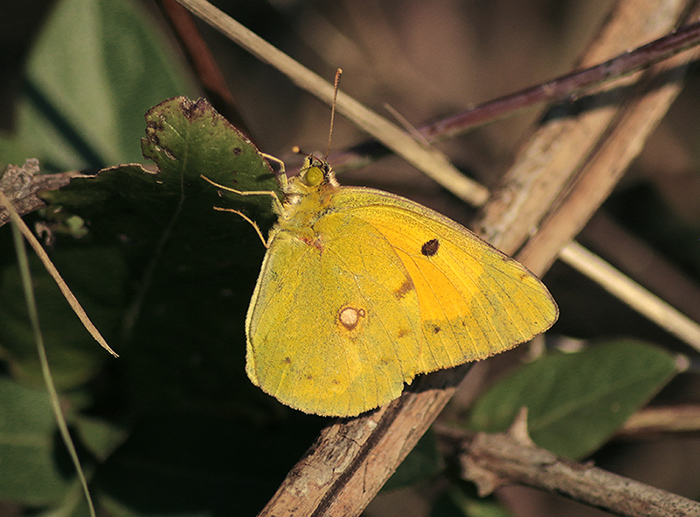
column 658, row 420
column 18, row 228
column 428, row 160
column 632, row 293
column 65, row 290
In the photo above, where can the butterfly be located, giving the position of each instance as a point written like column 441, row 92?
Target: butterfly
column 361, row 290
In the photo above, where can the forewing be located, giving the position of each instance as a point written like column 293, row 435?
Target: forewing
column 474, row 300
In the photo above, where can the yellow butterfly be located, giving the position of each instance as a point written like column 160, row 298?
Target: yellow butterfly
column 361, row 290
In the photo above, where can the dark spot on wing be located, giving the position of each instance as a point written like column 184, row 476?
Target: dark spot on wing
column 237, row 151
column 430, row 247
column 405, row 288
column 432, row 327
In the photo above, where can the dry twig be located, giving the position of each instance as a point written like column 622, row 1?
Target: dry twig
column 492, row 460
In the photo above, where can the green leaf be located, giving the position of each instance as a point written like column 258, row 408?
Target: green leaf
column 187, row 139
column 28, row 471
column 577, row 401
column 99, row 436
column 423, row 462
column 192, row 267
column 95, row 68
column 73, row 504
column 461, row 500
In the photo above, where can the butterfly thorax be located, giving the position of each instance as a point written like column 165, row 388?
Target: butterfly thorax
column 307, row 197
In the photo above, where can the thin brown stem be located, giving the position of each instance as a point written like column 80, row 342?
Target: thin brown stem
column 22, row 184
column 493, row 460
column 566, row 86
column 203, row 62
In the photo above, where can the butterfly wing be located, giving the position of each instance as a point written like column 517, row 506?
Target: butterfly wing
column 331, row 330
column 386, row 290
column 474, row 300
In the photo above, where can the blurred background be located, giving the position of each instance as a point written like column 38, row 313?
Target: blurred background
column 426, row 61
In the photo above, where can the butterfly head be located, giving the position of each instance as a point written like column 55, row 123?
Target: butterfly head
column 315, row 178
column 315, row 175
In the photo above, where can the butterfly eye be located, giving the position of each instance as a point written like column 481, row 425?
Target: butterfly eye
column 314, row 176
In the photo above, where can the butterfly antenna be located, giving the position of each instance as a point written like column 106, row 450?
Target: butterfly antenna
column 336, row 83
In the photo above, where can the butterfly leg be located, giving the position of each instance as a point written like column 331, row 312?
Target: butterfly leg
column 270, row 193
column 240, row 192
column 252, row 223
column 282, row 174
